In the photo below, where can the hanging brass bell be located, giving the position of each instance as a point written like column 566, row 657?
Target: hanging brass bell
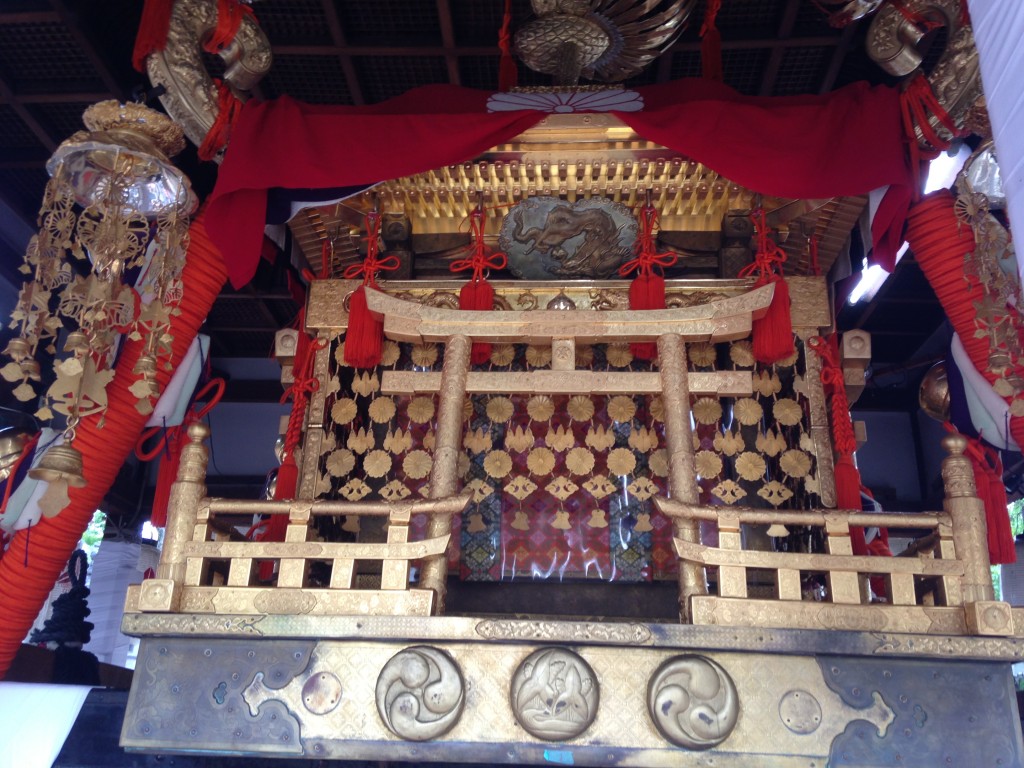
column 30, row 369
column 18, row 349
column 778, row 531
column 76, row 341
column 60, row 462
column 146, row 365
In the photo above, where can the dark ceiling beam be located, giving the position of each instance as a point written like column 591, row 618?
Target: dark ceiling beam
column 8, row 96
column 451, row 59
column 348, row 69
column 74, row 25
column 86, row 97
column 812, row 41
column 838, row 55
column 28, row 17
column 392, row 50
column 786, row 25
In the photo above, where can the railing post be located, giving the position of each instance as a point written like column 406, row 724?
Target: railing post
column 682, row 476
column 970, row 532
column 164, row 592
column 448, row 446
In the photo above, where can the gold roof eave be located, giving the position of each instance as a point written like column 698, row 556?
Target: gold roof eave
column 575, row 157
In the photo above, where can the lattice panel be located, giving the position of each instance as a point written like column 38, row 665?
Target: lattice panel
column 743, row 68
column 562, row 485
column 743, row 15
column 14, row 134
column 316, row 79
column 479, row 72
column 685, row 64
column 294, row 22
column 475, row 23
column 384, row 77
column 390, row 22
column 800, row 70
column 63, row 119
column 44, row 58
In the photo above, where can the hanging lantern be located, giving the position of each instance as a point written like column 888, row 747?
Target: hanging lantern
column 106, row 261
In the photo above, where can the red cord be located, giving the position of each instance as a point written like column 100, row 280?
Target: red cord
column 481, row 257
column 371, row 265
column 23, row 589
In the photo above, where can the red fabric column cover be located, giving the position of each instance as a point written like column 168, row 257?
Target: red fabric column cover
column 37, row 555
column 847, row 142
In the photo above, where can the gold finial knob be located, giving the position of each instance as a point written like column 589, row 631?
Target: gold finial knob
column 955, row 444
column 198, row 431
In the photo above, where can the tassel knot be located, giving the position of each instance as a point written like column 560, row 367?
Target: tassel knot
column 647, row 291
column 478, row 294
column 364, row 339
column 773, row 333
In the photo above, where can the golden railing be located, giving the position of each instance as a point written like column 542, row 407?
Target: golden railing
column 943, row 586
column 200, row 572
column 940, row 585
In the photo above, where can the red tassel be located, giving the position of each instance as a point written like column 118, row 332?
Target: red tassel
column 647, row 291
column 711, row 55
column 711, row 43
column 277, row 526
column 773, row 333
column 152, row 34
column 508, row 73
column 219, row 134
column 848, row 497
column 365, row 337
column 478, row 295
column 988, row 479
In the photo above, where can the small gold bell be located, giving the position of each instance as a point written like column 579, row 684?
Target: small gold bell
column 146, row 365
column 778, row 531
column 30, row 369
column 18, row 349
column 60, row 462
column 76, row 342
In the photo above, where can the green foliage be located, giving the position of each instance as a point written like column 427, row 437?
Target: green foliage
column 1016, row 510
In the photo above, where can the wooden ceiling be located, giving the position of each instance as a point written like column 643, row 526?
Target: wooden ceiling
column 59, row 56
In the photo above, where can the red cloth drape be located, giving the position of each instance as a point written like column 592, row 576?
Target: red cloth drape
column 846, row 142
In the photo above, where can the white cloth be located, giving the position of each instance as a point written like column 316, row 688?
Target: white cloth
column 23, row 505
column 990, row 413
column 173, row 403
column 37, row 719
column 998, row 31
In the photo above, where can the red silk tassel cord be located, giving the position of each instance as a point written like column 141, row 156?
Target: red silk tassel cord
column 478, row 294
column 988, row 480
column 286, row 486
column 843, row 440
column 647, row 291
column 364, row 339
column 773, row 333
column 508, row 73
column 940, row 243
column 711, row 43
column 168, row 448
column 917, row 103
column 24, row 588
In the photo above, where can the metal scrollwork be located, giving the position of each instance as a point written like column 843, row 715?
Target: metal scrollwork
column 693, row 702
column 420, row 693
column 956, row 79
column 554, row 694
column 190, row 96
